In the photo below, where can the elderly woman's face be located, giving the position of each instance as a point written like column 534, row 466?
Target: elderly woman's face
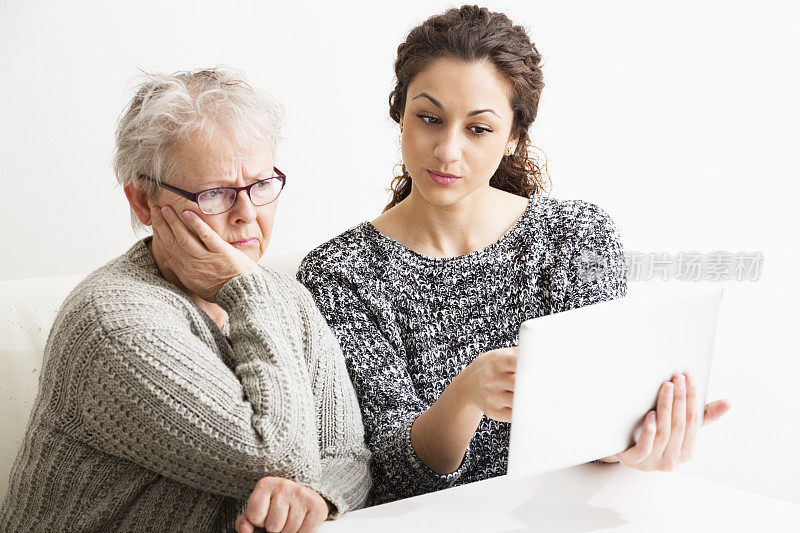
column 205, row 162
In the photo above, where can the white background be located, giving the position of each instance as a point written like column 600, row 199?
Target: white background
column 679, row 118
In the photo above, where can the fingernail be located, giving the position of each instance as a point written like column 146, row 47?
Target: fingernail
column 164, row 210
column 668, row 389
column 681, row 382
column 187, row 214
column 651, row 418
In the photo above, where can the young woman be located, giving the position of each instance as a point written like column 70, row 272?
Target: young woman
column 427, row 299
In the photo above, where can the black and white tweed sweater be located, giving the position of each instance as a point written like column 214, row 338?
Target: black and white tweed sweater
column 408, row 324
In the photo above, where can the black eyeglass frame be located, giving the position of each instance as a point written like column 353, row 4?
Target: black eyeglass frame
column 193, row 196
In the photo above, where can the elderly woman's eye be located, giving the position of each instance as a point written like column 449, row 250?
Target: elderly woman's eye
column 212, row 193
column 263, row 184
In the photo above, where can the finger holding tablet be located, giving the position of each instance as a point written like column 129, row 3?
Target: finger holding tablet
column 670, row 433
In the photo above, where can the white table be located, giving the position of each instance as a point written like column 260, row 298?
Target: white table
column 585, row 498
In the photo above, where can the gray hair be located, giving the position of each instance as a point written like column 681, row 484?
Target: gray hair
column 167, row 108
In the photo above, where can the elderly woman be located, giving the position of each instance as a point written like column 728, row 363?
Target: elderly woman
column 184, row 384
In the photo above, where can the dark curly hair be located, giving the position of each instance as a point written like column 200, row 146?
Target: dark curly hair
column 473, row 33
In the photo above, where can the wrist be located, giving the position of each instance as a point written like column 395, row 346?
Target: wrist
column 440, row 436
column 241, row 291
column 324, row 505
column 248, row 266
column 330, row 507
column 463, row 392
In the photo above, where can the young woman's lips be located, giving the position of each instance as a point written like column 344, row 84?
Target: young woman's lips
column 246, row 242
column 441, row 178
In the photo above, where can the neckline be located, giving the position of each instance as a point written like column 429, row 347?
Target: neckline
column 400, row 249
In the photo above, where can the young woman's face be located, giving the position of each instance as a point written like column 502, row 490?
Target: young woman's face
column 456, row 129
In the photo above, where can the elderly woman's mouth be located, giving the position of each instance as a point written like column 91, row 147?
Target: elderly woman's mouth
column 246, row 242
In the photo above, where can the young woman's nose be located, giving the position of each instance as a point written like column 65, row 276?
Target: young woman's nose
column 448, row 146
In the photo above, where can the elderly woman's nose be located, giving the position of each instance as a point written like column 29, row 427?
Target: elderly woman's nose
column 243, row 207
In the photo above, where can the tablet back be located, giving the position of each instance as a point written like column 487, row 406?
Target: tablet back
column 586, row 377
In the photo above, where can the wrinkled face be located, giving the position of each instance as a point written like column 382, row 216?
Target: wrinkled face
column 456, row 128
column 205, row 162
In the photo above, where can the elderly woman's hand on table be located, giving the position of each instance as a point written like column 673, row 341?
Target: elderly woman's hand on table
column 669, row 433
column 279, row 504
column 196, row 254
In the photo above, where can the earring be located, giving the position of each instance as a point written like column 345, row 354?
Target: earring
column 509, row 151
column 400, row 137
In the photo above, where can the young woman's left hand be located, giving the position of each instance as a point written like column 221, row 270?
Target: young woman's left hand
column 669, row 433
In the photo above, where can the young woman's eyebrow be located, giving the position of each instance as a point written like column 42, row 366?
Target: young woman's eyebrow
column 479, row 111
column 435, row 102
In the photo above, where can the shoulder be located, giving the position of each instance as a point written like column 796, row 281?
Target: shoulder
column 571, row 218
column 570, row 212
column 582, row 213
column 347, row 253
column 122, row 294
column 113, row 305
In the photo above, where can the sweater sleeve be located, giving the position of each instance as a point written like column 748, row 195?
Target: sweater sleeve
column 345, row 475
column 596, row 269
column 389, row 401
column 157, row 395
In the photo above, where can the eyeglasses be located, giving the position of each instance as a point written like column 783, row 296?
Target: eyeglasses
column 221, row 199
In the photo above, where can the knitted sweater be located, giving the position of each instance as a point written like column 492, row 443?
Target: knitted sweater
column 408, row 324
column 148, row 419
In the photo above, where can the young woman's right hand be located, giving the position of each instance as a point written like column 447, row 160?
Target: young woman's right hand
column 279, row 504
column 490, row 382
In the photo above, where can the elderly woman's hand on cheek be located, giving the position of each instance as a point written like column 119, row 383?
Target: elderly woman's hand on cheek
column 200, row 258
column 279, row 504
column 669, row 434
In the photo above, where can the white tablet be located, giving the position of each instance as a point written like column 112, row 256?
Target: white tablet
column 586, row 377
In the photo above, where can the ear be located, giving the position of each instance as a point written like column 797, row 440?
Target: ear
column 513, row 141
column 138, row 199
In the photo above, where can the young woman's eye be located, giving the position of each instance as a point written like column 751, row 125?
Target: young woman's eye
column 430, row 120
column 479, row 130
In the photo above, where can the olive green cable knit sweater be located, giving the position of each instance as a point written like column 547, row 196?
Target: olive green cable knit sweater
column 148, row 419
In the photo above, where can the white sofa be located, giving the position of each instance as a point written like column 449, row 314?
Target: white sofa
column 28, row 308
